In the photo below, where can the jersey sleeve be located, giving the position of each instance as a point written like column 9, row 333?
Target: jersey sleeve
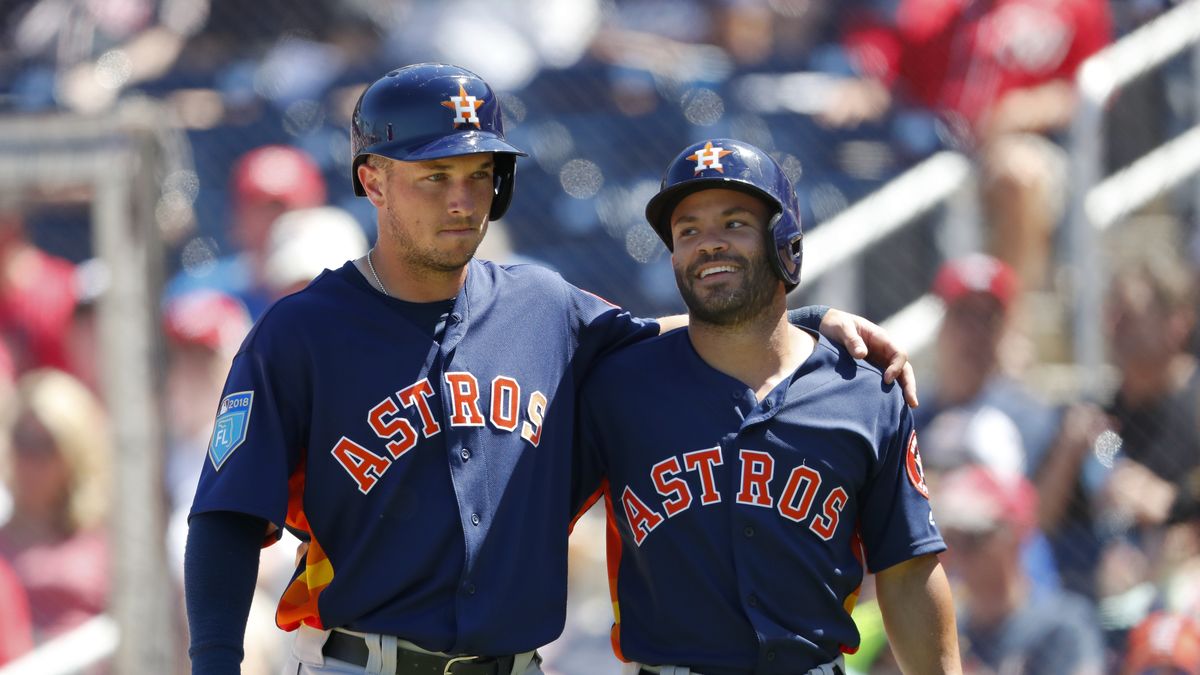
column 589, row 467
column 896, row 520
column 601, row 327
column 257, row 438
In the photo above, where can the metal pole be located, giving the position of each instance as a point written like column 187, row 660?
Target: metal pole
column 1196, row 121
column 127, row 239
column 1085, row 264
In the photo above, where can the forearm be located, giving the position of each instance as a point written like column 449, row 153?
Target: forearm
column 918, row 613
column 220, row 569
column 806, row 317
column 669, row 323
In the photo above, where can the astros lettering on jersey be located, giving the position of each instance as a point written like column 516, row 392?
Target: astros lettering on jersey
column 410, row 461
column 740, row 529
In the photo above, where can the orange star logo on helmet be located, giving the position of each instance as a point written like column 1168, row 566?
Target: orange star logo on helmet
column 464, row 107
column 709, row 157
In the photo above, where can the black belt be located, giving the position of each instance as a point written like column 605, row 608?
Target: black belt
column 646, row 671
column 353, row 649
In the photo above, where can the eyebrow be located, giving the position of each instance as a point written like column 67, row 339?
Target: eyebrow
column 727, row 212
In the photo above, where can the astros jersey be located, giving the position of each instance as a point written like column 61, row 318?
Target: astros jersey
column 739, row 530
column 430, row 476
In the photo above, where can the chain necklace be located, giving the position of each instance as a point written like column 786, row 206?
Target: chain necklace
column 375, row 274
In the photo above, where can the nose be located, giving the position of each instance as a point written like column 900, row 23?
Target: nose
column 461, row 200
column 712, row 242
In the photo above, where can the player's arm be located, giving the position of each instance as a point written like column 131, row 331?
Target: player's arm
column 220, row 570
column 862, row 338
column 810, row 316
column 918, row 614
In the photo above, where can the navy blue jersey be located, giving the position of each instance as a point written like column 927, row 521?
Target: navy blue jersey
column 742, row 528
column 431, row 477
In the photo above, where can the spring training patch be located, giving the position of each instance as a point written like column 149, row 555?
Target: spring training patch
column 229, row 431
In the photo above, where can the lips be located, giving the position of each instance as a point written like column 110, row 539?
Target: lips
column 461, row 229
column 715, row 269
column 709, row 266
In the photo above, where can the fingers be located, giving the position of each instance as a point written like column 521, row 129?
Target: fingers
column 900, row 369
column 865, row 340
column 855, row 343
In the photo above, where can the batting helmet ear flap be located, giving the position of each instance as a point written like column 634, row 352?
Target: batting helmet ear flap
column 787, row 255
column 504, row 176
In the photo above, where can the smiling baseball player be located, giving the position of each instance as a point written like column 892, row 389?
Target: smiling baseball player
column 754, row 469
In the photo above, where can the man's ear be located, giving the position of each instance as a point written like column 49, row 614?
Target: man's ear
column 370, row 177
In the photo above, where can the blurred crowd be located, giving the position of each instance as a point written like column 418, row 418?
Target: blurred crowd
column 1072, row 519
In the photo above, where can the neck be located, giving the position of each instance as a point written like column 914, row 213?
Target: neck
column 410, row 283
column 759, row 352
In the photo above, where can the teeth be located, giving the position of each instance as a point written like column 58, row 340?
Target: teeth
column 714, row 270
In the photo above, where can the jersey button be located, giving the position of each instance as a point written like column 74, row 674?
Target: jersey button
column 752, row 601
column 466, row 454
column 470, row 589
column 749, row 531
column 771, row 656
column 474, row 518
column 455, row 317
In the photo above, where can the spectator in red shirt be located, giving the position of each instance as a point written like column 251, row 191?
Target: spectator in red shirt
column 37, row 296
column 1000, row 74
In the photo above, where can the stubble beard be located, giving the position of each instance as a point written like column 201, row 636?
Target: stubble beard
column 734, row 303
column 428, row 259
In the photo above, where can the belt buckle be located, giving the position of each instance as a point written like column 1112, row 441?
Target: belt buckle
column 449, row 667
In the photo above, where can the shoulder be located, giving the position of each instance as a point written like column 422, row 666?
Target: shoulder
column 305, row 311
column 839, row 390
column 858, row 376
column 529, row 282
column 643, row 360
column 517, row 273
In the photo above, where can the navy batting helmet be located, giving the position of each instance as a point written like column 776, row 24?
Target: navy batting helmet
column 734, row 165
column 432, row 110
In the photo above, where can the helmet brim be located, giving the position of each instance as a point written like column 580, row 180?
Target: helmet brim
column 662, row 205
column 461, row 143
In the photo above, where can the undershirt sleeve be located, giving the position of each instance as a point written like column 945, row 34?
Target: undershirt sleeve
column 220, row 570
column 808, row 317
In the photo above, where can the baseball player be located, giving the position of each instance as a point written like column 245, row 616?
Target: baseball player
column 774, row 467
column 410, row 417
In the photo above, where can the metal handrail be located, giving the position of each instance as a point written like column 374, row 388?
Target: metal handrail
column 1098, row 79
column 920, row 189
column 89, row 643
